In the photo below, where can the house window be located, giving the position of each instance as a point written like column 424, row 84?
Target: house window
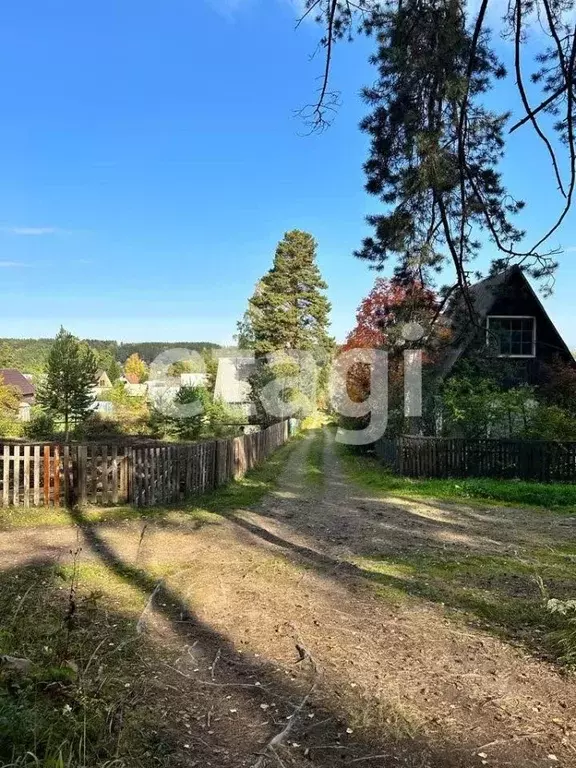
column 512, row 336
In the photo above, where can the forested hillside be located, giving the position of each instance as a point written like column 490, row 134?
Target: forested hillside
column 29, row 355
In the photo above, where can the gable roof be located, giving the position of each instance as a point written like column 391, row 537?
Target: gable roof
column 101, row 374
column 232, row 385
column 13, row 378
column 484, row 296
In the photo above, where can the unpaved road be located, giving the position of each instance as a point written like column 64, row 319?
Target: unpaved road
column 274, row 597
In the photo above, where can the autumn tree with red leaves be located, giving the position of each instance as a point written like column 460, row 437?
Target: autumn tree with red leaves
column 395, row 316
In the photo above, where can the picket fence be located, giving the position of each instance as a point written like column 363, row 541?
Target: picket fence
column 50, row 474
column 542, row 460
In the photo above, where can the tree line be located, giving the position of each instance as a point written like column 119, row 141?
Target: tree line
column 31, row 355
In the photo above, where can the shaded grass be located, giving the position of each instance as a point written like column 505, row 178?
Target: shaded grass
column 370, row 473
column 78, row 703
column 506, row 594
column 85, row 699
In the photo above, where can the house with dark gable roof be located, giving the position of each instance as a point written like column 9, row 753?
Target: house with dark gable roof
column 13, row 378
column 510, row 326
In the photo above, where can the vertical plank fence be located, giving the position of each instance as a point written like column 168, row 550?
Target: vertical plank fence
column 42, row 474
column 541, row 460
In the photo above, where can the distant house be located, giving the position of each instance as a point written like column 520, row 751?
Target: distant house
column 101, row 382
column 162, row 392
column 13, row 378
column 232, row 383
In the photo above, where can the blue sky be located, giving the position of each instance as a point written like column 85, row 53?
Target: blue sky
column 151, row 159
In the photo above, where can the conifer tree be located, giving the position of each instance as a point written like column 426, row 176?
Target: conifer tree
column 289, row 312
column 67, row 393
column 289, row 308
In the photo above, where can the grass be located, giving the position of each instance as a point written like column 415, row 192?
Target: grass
column 371, row 474
column 63, row 711
column 506, row 594
column 314, row 461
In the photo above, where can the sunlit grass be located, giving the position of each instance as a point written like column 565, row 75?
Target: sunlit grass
column 371, row 474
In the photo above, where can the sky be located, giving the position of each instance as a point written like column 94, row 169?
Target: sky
column 151, row 157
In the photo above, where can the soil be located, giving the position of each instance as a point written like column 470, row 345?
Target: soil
column 268, row 625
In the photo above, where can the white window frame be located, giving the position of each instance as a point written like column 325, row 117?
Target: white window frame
column 514, row 317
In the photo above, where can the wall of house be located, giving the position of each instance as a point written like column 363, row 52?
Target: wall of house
column 519, row 300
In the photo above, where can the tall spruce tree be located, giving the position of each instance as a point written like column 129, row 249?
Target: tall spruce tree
column 289, row 308
column 289, row 312
column 67, row 393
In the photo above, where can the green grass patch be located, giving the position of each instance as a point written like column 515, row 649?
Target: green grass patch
column 244, row 493
column 314, row 461
column 371, row 474
column 79, row 699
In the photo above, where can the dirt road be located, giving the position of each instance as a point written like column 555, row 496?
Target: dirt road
column 269, row 619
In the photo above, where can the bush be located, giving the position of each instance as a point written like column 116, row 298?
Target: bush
column 97, row 428
column 550, row 422
column 215, row 419
column 40, row 427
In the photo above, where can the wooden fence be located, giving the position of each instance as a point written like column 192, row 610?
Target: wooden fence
column 48, row 474
column 542, row 460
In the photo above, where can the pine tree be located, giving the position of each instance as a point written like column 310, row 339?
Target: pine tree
column 67, row 393
column 289, row 309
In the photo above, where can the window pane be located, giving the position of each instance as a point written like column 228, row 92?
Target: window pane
column 511, row 335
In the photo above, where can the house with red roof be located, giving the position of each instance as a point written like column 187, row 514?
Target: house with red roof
column 13, row 378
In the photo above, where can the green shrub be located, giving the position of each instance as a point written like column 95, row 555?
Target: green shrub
column 40, row 426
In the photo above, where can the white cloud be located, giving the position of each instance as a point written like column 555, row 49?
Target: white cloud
column 30, row 231
column 11, row 264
